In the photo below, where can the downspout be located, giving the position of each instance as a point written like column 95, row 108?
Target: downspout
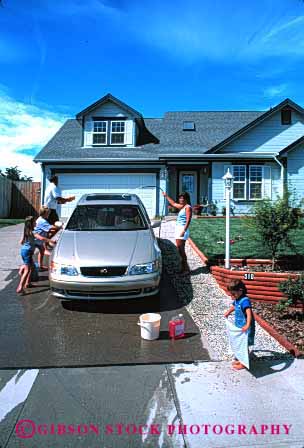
column 282, row 175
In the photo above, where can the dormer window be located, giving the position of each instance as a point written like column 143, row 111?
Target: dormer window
column 108, row 131
column 100, row 132
column 286, row 116
column 188, row 126
column 117, row 132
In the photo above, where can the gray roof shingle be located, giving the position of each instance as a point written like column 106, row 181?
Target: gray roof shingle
column 211, row 129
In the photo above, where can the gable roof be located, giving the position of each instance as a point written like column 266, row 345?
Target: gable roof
column 104, row 99
column 292, row 146
column 286, row 103
column 160, row 137
column 169, row 137
column 210, row 128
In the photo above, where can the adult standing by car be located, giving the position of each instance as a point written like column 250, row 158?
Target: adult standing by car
column 182, row 225
column 53, row 197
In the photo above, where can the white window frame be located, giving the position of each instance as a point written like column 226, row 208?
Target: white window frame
column 98, row 133
column 240, row 182
column 256, row 182
column 123, row 133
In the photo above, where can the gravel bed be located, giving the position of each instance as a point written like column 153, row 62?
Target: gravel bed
column 206, row 302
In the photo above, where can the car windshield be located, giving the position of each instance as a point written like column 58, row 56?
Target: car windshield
column 107, row 217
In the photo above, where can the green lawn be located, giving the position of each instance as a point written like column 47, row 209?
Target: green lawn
column 207, row 232
column 9, row 222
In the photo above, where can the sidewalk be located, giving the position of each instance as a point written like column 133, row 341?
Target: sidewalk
column 202, row 405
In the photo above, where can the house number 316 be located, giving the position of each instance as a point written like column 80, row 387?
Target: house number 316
column 248, row 276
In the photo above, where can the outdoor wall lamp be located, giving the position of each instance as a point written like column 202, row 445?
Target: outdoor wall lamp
column 228, row 179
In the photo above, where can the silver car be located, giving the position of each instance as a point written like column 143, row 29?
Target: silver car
column 107, row 250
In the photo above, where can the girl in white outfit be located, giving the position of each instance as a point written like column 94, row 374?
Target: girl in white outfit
column 182, row 225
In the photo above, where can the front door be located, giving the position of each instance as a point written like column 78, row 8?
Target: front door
column 188, row 183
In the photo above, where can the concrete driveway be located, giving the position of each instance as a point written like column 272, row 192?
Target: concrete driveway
column 168, row 405
column 42, row 331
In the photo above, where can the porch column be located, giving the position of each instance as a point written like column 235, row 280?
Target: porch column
column 163, row 184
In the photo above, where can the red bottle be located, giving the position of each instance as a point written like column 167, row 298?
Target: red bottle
column 177, row 327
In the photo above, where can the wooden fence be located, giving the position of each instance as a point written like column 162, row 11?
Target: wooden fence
column 25, row 199
column 5, row 197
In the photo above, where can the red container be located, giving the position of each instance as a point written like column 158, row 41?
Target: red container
column 177, row 327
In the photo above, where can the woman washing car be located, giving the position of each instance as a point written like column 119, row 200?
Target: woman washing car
column 182, row 225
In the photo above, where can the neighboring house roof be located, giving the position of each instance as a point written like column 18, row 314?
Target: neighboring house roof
column 286, row 103
column 213, row 129
column 104, row 99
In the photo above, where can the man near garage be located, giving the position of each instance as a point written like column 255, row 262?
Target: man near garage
column 53, row 197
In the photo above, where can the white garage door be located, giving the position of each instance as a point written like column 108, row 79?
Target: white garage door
column 79, row 184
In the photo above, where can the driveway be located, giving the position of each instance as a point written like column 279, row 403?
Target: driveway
column 187, row 405
column 38, row 330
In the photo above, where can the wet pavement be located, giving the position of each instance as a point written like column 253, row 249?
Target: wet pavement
column 168, row 401
column 39, row 330
column 174, row 406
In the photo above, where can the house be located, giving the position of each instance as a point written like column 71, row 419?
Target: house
column 110, row 147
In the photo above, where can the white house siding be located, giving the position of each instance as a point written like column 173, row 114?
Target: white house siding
column 109, row 109
column 268, row 136
column 272, row 185
column 295, row 171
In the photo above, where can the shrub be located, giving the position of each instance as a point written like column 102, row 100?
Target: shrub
column 294, row 290
column 273, row 222
column 213, row 208
column 197, row 209
column 172, row 209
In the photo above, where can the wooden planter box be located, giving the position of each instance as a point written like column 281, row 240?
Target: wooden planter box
column 263, row 286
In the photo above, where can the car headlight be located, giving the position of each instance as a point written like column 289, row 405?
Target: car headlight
column 63, row 269
column 145, row 268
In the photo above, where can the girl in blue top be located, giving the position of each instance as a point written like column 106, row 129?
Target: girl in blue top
column 182, row 225
column 44, row 229
column 27, row 251
column 244, row 318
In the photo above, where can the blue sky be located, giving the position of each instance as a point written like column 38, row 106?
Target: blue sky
column 56, row 58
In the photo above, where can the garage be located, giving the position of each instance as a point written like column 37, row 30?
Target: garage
column 73, row 184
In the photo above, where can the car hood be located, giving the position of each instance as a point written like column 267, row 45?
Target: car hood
column 123, row 248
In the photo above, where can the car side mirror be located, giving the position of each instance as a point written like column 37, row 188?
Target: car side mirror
column 155, row 224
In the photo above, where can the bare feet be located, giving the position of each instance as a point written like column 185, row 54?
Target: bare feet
column 238, row 366
column 43, row 268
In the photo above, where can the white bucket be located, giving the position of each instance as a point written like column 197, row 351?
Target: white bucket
column 149, row 325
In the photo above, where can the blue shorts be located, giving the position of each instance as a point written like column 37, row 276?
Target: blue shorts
column 27, row 256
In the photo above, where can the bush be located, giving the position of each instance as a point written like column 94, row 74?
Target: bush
column 273, row 222
column 213, row 208
column 172, row 209
column 294, row 290
column 197, row 209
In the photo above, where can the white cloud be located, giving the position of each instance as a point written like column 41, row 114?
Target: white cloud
column 24, row 130
column 275, row 91
column 198, row 30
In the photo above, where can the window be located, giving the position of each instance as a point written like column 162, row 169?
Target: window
column 286, row 116
column 117, row 132
column 239, row 182
column 100, row 132
column 107, row 217
column 255, row 182
column 108, row 132
column 188, row 126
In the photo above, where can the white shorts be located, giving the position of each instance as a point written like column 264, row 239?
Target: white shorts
column 178, row 231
